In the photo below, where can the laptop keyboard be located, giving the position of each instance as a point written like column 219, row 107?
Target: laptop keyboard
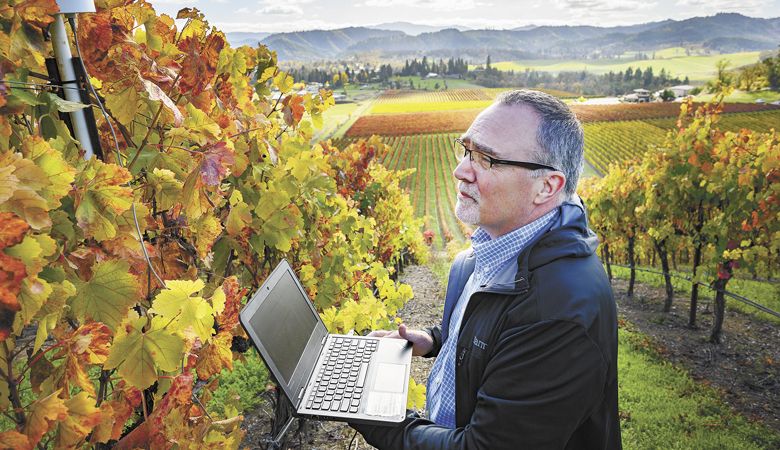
column 341, row 377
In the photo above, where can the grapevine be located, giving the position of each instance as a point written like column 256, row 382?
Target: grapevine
column 214, row 154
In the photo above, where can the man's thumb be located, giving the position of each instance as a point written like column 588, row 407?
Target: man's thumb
column 403, row 331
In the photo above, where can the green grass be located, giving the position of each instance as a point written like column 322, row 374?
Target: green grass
column 697, row 68
column 743, row 97
column 338, row 118
column 430, row 84
column 335, row 117
column 663, row 408
column 241, row 387
column 764, row 293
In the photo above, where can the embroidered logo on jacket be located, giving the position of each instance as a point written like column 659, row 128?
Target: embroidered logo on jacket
column 479, row 344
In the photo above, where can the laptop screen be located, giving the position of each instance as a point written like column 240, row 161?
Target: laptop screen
column 284, row 323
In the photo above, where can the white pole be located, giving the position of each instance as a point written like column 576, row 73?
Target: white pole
column 61, row 47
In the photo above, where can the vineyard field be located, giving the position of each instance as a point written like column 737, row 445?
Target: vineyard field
column 612, row 142
column 414, row 123
column 459, row 121
column 431, row 187
column 408, row 101
column 644, row 111
column 757, row 121
column 394, row 96
column 618, row 141
column 413, row 107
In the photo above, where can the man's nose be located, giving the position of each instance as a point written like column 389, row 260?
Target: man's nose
column 464, row 171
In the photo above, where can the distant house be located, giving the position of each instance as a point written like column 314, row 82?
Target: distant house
column 638, row 96
column 682, row 90
column 432, row 75
column 314, row 87
column 642, row 95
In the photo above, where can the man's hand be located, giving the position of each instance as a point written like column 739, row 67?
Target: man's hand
column 422, row 343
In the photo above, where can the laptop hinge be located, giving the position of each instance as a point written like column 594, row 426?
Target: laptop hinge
column 324, row 338
column 300, row 393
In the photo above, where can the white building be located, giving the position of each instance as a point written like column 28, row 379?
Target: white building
column 682, row 90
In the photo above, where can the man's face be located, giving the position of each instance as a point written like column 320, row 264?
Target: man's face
column 499, row 199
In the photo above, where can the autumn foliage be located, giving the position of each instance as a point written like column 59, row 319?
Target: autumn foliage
column 712, row 193
column 213, row 176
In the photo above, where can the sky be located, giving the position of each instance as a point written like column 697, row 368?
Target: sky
column 295, row 15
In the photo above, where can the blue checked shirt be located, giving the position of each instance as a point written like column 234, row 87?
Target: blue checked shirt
column 493, row 255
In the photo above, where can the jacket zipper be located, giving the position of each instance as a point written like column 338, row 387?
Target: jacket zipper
column 460, row 357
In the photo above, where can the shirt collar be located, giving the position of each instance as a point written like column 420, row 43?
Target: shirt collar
column 493, row 254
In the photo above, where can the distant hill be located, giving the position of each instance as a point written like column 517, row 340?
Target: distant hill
column 239, row 38
column 721, row 33
column 322, row 44
column 412, row 29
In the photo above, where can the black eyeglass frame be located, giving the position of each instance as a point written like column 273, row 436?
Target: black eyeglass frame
column 493, row 161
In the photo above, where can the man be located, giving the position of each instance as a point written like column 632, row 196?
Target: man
column 527, row 349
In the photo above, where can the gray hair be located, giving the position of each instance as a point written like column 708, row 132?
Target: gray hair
column 559, row 135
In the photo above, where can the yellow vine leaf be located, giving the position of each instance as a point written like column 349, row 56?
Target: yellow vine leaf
column 215, row 356
column 240, row 215
column 8, row 183
column 25, row 199
column 52, row 310
column 205, row 231
column 330, row 318
column 32, row 251
column 165, row 188
column 283, row 81
column 176, row 304
column 44, row 415
column 416, row 397
column 101, row 196
column 82, row 417
column 33, row 296
column 138, row 354
column 15, row 440
column 123, row 102
column 200, row 128
column 193, row 197
column 107, row 295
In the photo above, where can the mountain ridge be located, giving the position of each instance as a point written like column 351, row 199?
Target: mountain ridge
column 721, row 33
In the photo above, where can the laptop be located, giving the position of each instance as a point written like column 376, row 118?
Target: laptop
column 325, row 376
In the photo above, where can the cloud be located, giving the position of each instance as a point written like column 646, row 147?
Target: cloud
column 281, row 10
column 175, row 2
column 280, row 26
column 605, row 5
column 282, row 7
column 728, row 5
column 436, row 5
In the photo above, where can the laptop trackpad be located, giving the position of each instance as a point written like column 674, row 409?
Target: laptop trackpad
column 390, row 377
column 386, row 397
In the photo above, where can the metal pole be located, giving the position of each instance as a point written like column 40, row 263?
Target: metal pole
column 64, row 57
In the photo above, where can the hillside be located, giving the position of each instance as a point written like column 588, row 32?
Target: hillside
column 720, row 33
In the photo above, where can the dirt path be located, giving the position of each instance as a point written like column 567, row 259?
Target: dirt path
column 745, row 368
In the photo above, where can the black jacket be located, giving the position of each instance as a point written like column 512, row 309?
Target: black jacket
column 536, row 356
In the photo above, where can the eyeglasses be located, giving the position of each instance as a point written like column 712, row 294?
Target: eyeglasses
column 487, row 162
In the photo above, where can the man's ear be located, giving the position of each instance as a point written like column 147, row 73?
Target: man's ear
column 553, row 184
